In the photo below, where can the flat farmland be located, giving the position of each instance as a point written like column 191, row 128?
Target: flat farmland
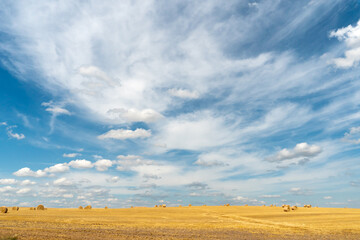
column 205, row 222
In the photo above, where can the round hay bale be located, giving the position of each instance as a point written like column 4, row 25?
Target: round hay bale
column 246, row 205
column 3, row 209
column 228, row 204
column 132, row 207
column 40, row 207
column 156, row 206
column 286, row 208
column 164, row 205
column 190, row 205
column 81, row 207
column 88, row 207
column 180, row 206
column 106, row 207
column 294, row 208
column 15, row 208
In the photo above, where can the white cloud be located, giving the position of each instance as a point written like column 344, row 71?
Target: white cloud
column 7, row 181
column 23, row 191
column 300, row 191
column 210, row 160
column 27, row 182
column 300, row 150
column 3, row 123
column 103, row 164
column 11, row 134
column 58, row 168
column 6, row 189
column 196, row 131
column 113, row 179
column 80, row 163
column 71, row 155
column 128, row 157
column 134, row 115
column 327, row 197
column 125, row 134
column 57, row 110
column 96, row 73
column 27, row 172
column 353, row 136
column 68, row 195
column 241, row 199
column 63, row 182
column 351, row 36
column 270, row 196
column 184, row 93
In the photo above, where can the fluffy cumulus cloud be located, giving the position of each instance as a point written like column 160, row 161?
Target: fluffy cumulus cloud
column 301, row 150
column 27, row 172
column 63, row 182
column 103, row 164
column 27, row 182
column 9, row 181
column 351, row 36
column 23, row 191
column 123, row 134
column 58, row 168
column 210, row 160
column 81, row 164
column 7, row 189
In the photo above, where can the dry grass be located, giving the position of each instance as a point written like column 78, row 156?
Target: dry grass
column 184, row 223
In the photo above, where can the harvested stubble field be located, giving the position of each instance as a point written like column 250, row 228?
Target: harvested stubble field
column 204, row 222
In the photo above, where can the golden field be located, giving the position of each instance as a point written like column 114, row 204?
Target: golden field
column 205, row 222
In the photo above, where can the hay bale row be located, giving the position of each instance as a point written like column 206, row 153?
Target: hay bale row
column 88, row 207
column 307, row 206
column 287, row 208
column 3, row 209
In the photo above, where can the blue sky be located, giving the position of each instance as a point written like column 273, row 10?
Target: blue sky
column 203, row 102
